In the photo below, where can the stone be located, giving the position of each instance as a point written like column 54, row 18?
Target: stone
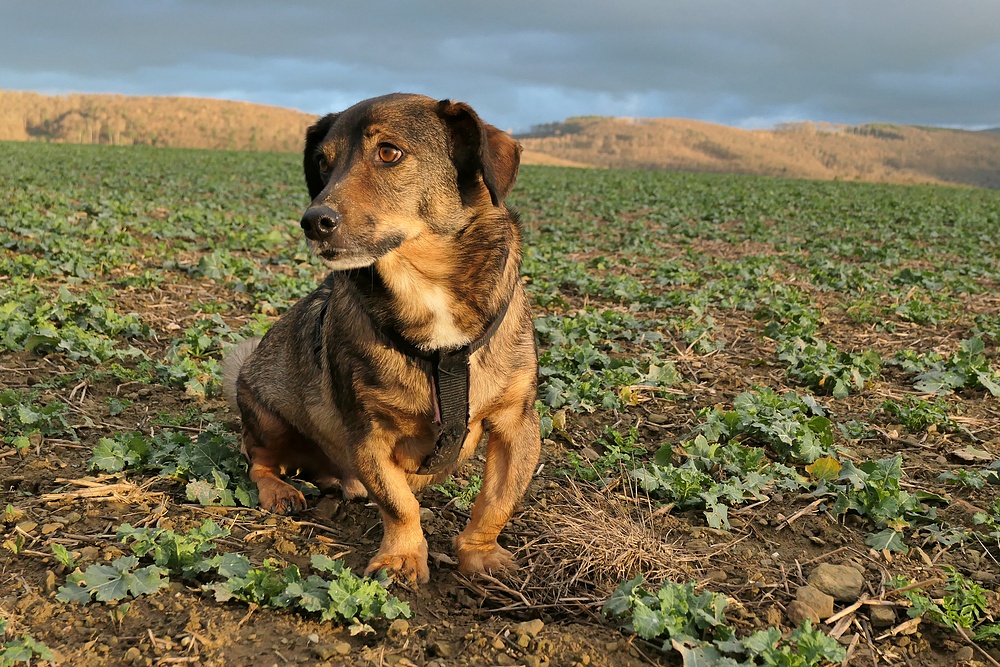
column 50, row 581
column 342, row 648
column 820, row 602
column 798, row 612
column 843, row 582
column 964, row 655
column 882, row 617
column 398, row 628
column 133, row 656
column 530, row 628
column 441, row 649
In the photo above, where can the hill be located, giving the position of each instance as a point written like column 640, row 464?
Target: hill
column 184, row 122
column 879, row 153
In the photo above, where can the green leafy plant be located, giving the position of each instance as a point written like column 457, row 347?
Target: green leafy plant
column 694, row 624
column 874, row 491
column 618, row 452
column 22, row 419
column 211, row 465
column 341, row 597
column 462, row 494
column 964, row 605
column 967, row 368
column 180, row 554
column 21, row 650
column 917, row 414
column 110, row 583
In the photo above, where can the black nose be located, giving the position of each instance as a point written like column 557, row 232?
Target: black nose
column 319, row 221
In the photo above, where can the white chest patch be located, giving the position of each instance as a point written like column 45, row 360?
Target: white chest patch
column 443, row 331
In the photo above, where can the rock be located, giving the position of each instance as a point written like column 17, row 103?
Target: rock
column 50, row 581
column 49, row 528
column 27, row 526
column 323, row 651
column 964, row 655
column 799, row 611
column 718, row 576
column 505, row 659
column 841, row 581
column 530, row 628
column 342, row 648
column 882, row 617
column 398, row 628
column 133, row 656
column 659, row 419
column 818, row 601
column 441, row 649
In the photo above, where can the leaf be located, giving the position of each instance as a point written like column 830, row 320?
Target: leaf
column 887, row 540
column 63, row 556
column 825, row 468
column 107, row 456
column 230, row 565
column 112, row 582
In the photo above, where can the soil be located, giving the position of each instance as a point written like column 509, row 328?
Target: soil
column 574, row 542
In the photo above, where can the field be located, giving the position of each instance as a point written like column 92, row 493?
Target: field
column 743, row 380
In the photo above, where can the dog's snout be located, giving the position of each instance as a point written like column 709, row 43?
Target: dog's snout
column 319, row 221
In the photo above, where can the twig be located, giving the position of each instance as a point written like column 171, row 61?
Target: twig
column 805, row 510
column 846, row 611
column 976, row 646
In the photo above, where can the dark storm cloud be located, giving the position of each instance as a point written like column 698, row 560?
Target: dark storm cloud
column 741, row 62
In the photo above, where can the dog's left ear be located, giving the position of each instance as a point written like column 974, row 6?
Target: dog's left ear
column 310, row 164
column 479, row 149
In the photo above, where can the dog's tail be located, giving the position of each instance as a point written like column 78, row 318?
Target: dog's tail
column 232, row 362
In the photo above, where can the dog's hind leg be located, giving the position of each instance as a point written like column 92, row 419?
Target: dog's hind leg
column 268, row 441
column 511, row 455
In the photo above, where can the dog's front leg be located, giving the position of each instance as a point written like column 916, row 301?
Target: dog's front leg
column 403, row 552
column 511, row 456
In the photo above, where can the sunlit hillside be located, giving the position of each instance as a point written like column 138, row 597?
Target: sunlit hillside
column 877, row 153
column 185, row 122
column 880, row 153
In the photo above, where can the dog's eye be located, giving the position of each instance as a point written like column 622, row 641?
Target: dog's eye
column 324, row 165
column 389, row 154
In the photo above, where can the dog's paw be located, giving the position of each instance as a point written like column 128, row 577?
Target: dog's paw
column 280, row 497
column 488, row 558
column 406, row 568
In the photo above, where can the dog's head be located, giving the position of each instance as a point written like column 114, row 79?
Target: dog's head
column 392, row 168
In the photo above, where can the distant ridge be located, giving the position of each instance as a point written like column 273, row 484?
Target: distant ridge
column 183, row 122
column 876, row 152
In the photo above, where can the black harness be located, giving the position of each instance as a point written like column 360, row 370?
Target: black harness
column 448, row 374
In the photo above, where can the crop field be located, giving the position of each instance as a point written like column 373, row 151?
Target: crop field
column 747, row 385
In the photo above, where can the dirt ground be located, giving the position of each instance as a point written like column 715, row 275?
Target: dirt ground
column 574, row 541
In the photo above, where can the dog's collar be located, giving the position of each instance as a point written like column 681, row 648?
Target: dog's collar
column 448, row 372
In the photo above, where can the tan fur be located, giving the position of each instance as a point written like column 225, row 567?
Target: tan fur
column 422, row 246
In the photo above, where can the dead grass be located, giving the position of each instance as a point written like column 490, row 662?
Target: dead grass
column 591, row 540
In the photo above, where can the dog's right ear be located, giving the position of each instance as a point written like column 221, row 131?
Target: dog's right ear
column 310, row 162
column 481, row 151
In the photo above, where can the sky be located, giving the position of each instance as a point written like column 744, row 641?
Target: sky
column 746, row 63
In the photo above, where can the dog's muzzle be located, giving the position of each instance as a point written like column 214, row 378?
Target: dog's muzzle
column 318, row 222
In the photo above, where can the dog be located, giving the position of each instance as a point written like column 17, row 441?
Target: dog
column 385, row 378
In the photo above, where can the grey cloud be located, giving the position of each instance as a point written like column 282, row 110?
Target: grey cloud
column 741, row 62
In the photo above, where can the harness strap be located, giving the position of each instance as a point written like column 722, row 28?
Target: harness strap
column 448, row 374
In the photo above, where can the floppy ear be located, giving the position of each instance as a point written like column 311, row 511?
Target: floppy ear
column 479, row 149
column 314, row 135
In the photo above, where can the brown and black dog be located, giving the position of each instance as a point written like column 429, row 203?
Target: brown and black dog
column 356, row 383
